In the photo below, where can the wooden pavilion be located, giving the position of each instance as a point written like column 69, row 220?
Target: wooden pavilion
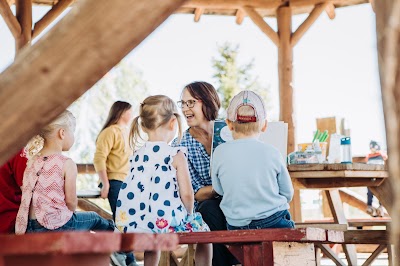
column 48, row 76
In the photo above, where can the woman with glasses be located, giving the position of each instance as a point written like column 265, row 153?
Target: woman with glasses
column 200, row 105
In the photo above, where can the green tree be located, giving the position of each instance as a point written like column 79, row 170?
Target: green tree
column 232, row 78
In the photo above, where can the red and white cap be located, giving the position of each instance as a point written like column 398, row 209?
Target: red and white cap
column 248, row 98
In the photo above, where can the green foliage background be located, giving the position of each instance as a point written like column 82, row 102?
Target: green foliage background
column 231, row 77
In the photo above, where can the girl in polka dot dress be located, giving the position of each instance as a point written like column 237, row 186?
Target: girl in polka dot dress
column 157, row 195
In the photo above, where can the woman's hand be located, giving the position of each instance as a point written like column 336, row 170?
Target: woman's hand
column 105, row 184
column 104, row 190
column 205, row 193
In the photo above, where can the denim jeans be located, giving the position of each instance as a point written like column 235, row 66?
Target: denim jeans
column 80, row 221
column 115, row 186
column 279, row 219
column 370, row 197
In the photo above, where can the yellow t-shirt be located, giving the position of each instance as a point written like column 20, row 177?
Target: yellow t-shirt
column 112, row 152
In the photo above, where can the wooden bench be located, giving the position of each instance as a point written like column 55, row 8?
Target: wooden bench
column 76, row 248
column 266, row 246
column 85, row 204
column 379, row 238
column 352, row 223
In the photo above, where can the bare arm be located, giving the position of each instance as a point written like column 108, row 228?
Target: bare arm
column 104, row 182
column 70, row 174
column 104, row 144
column 205, row 193
column 183, row 176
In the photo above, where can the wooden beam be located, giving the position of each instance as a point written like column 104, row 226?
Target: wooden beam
column 86, row 168
column 24, row 16
column 232, row 4
column 47, row 19
column 87, row 205
column 239, row 16
column 374, row 255
column 260, row 22
column 305, row 3
column 307, row 23
column 197, row 14
column 330, row 254
column 46, row 78
column 10, row 19
column 353, row 199
column 330, row 11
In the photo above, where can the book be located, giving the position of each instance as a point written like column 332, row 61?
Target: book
column 275, row 135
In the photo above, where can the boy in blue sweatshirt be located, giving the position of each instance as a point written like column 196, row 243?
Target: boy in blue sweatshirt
column 251, row 175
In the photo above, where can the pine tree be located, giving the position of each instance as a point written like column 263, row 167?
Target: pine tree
column 232, row 78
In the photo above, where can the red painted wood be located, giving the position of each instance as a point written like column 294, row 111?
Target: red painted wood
column 237, row 251
column 252, row 255
column 259, row 235
column 142, row 242
column 59, row 260
column 268, row 253
column 59, row 243
column 59, row 249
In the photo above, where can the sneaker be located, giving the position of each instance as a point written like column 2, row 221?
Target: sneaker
column 371, row 211
column 118, row 259
column 133, row 263
column 380, row 211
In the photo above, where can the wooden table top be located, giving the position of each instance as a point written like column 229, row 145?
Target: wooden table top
column 337, row 175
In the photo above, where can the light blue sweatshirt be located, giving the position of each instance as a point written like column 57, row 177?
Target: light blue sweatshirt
column 252, row 178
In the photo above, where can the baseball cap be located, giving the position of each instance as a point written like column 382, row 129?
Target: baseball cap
column 248, row 98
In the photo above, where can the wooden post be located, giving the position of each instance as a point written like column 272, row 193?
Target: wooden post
column 285, row 58
column 24, row 16
column 339, row 217
column 388, row 42
column 47, row 77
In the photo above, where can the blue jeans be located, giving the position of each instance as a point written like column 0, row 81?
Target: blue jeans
column 115, row 187
column 370, row 197
column 80, row 221
column 279, row 219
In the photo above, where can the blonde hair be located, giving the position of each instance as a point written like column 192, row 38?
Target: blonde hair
column 65, row 120
column 250, row 127
column 154, row 111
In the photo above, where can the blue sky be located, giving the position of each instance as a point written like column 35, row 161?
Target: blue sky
column 335, row 71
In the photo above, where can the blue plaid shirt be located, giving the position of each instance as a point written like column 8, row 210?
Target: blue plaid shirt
column 198, row 161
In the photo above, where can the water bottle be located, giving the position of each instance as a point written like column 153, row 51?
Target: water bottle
column 345, row 147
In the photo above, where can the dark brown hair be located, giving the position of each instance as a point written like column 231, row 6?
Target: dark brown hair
column 205, row 92
column 116, row 111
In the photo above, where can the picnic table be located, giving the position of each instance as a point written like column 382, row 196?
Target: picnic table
column 331, row 177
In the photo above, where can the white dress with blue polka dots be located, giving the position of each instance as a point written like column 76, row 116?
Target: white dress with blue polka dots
column 149, row 199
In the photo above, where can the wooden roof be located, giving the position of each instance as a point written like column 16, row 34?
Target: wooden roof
column 266, row 8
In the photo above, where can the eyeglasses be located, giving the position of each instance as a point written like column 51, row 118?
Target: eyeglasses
column 188, row 103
